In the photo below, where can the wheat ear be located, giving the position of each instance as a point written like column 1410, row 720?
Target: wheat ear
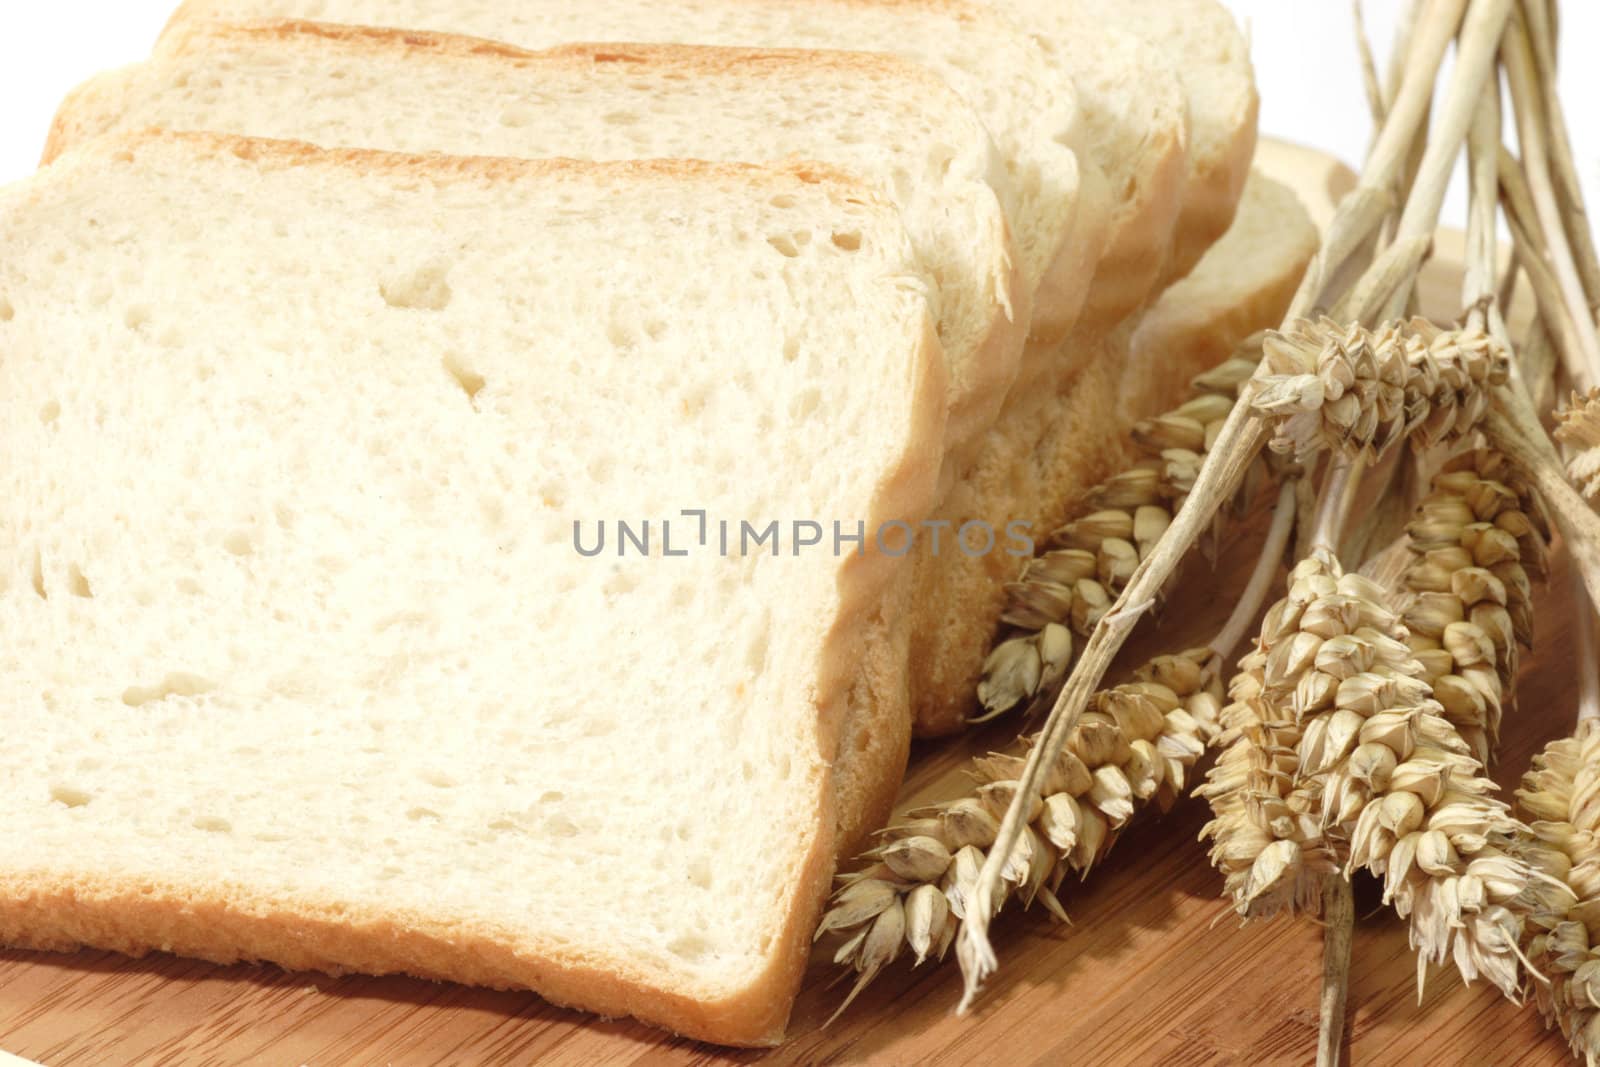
column 1476, row 543
column 1364, row 771
column 1134, row 747
column 1560, row 797
column 1579, row 429
column 1063, row 593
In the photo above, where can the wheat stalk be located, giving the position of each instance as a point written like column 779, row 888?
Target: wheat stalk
column 1067, row 590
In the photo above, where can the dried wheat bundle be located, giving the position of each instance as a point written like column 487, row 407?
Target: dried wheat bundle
column 1579, row 430
column 1560, row 796
column 1065, row 591
column 1135, row 746
column 1475, row 541
column 1353, row 391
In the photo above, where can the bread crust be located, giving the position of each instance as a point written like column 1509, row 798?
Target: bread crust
column 58, row 910
column 1156, row 180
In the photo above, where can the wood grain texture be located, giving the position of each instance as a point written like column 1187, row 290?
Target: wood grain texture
column 1153, row 969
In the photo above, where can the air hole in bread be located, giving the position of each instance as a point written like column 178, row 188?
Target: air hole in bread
column 783, row 201
column 136, row 317
column 621, row 336
column 437, row 778
column 791, row 349
column 806, row 404
column 785, row 245
column 600, row 470
column 50, row 412
column 849, row 242
column 424, row 289
column 176, row 684
column 38, row 575
column 620, row 118
column 620, row 584
column 77, row 584
column 213, row 824
column 700, row 872
column 238, row 543
column 655, row 329
column 71, row 796
column 517, row 116
column 422, row 815
column 560, row 826
column 689, row 947
column 284, row 514
column 7, row 311
column 470, row 381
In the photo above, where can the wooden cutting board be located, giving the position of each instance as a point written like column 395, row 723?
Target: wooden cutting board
column 1152, row 970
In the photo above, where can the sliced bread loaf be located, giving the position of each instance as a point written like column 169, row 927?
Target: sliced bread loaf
column 1055, row 442
column 1025, row 98
column 302, row 655
column 890, row 122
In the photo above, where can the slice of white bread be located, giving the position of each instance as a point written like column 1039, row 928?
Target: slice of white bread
column 1024, row 97
column 299, row 658
column 888, row 121
column 334, row 86
column 1054, row 443
column 1205, row 46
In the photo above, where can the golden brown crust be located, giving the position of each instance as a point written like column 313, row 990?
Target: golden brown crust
column 1210, row 210
column 691, row 58
column 270, row 154
column 59, row 912
column 56, row 910
column 875, row 742
column 1148, row 184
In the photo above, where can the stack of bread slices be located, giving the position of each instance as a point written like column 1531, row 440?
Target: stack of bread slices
column 392, row 388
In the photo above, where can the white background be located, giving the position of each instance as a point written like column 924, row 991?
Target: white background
column 1304, row 52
